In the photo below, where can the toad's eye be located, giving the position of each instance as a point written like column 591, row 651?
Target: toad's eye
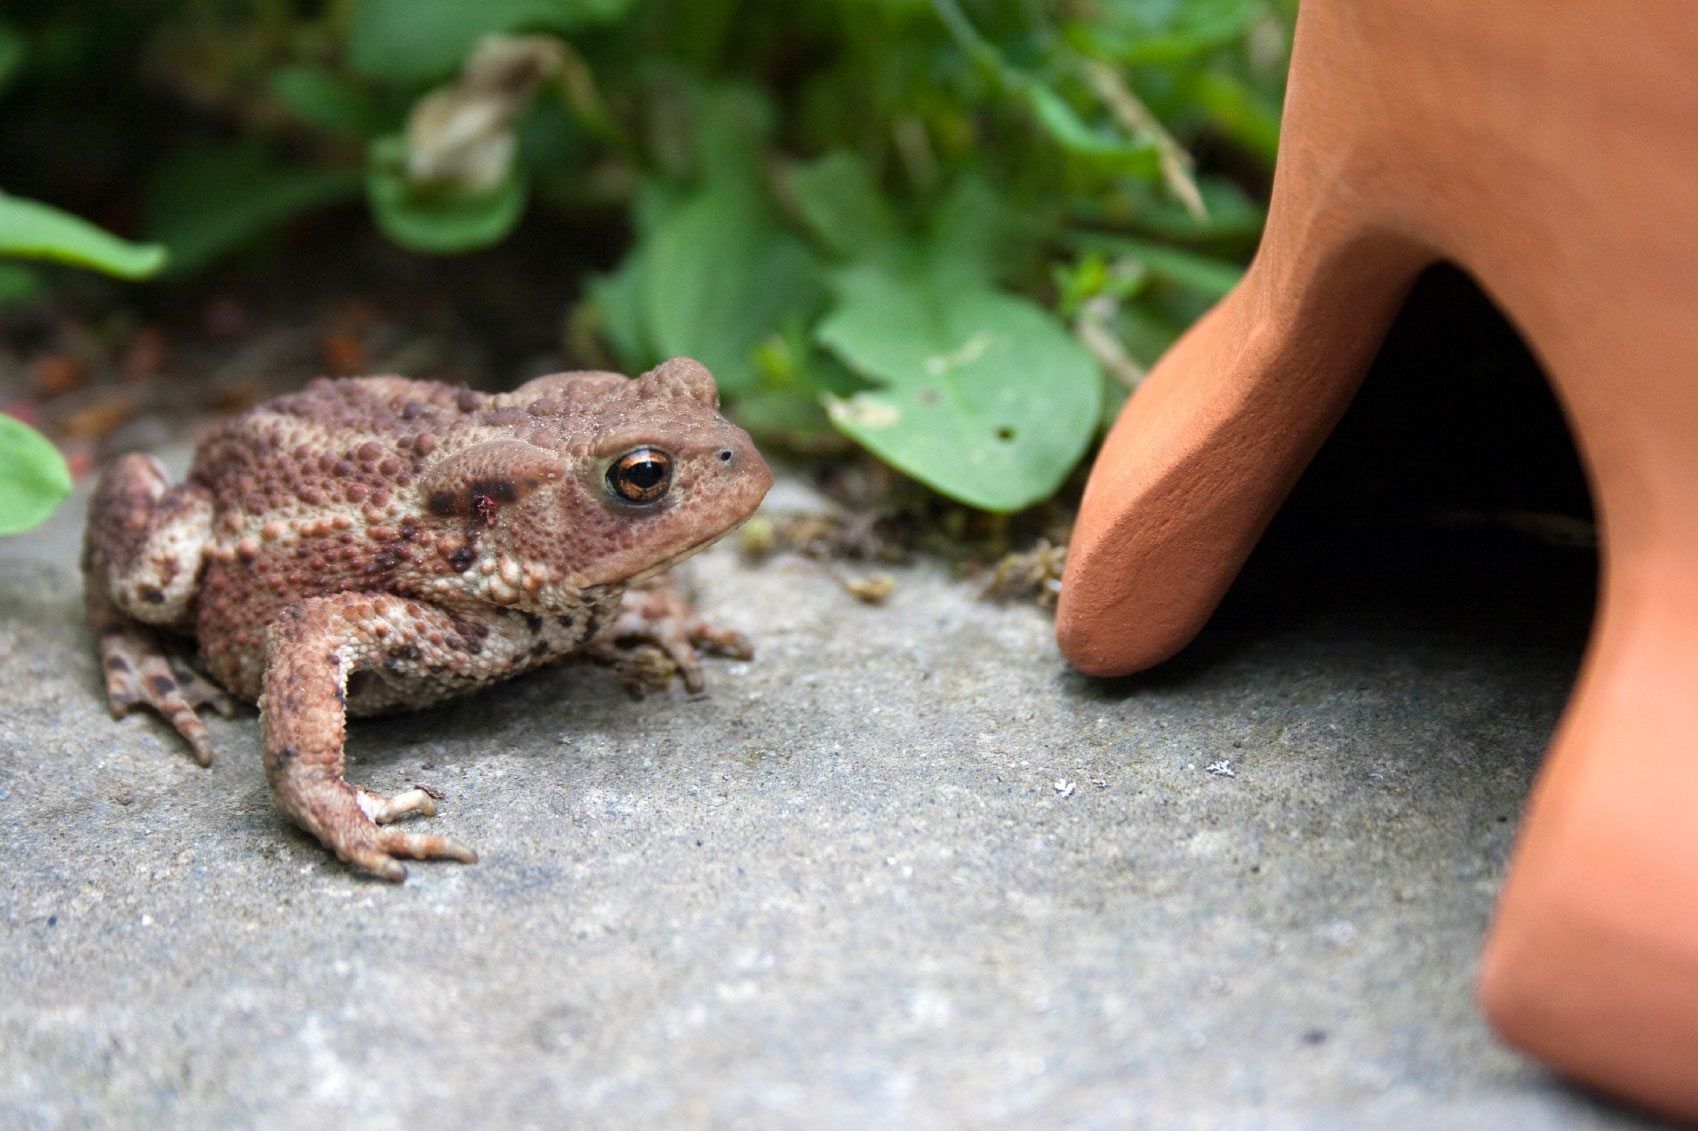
column 641, row 475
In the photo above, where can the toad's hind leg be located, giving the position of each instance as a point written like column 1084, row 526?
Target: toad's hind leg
column 141, row 562
column 139, row 672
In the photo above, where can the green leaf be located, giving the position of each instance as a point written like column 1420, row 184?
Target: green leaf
column 1240, row 113
column 412, row 42
column 840, row 204
column 1191, row 29
column 33, row 477
column 1106, row 152
column 788, row 408
column 32, row 230
column 618, row 300
column 789, row 418
column 973, row 234
column 1234, row 221
column 326, row 101
column 439, row 219
column 981, row 395
column 551, row 145
column 1209, row 278
column 206, row 202
column 1199, row 274
column 654, row 203
column 727, row 126
column 722, row 275
column 714, row 273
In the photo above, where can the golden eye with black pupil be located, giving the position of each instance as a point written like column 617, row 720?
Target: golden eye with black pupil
column 641, row 475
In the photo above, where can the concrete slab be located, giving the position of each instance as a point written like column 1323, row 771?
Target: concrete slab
column 903, row 870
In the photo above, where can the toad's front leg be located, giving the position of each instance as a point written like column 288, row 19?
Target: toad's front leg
column 659, row 617
column 311, row 651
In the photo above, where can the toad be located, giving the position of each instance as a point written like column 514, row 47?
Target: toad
column 380, row 544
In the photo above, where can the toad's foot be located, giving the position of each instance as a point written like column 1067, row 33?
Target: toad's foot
column 139, row 672
column 657, row 633
column 142, row 554
column 350, row 822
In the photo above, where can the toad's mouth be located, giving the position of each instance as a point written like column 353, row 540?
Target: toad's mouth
column 667, row 563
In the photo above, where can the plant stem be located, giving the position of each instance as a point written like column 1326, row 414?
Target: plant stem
column 1176, row 164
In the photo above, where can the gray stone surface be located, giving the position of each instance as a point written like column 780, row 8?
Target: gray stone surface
column 904, row 870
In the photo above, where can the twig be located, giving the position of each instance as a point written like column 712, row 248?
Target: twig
column 1091, row 328
column 1176, row 163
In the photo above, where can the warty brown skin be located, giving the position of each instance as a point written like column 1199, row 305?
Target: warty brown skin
column 380, row 544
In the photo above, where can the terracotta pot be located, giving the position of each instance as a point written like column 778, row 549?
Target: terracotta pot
column 1551, row 151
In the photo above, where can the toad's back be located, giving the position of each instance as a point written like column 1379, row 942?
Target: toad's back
column 311, row 494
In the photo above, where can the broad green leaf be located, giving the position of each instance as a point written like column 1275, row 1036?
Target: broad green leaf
column 32, row 230
column 981, row 395
column 841, row 204
column 33, row 477
column 204, row 203
column 412, row 42
column 618, row 299
column 654, row 203
column 714, row 273
column 326, row 101
column 973, row 235
column 730, row 124
column 439, row 219
column 722, row 274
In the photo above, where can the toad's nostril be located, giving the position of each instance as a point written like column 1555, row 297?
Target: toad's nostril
column 725, row 455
